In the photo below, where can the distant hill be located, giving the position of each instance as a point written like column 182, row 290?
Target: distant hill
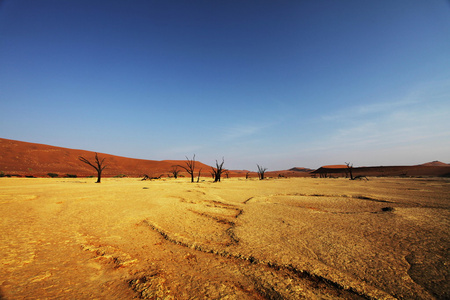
column 435, row 163
column 30, row 159
column 428, row 169
column 298, row 169
column 335, row 167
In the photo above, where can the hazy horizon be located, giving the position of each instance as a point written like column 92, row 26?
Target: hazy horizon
column 281, row 84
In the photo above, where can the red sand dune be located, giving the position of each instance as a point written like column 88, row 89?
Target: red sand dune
column 30, row 159
column 335, row 167
column 299, row 169
column 382, row 171
column 435, row 163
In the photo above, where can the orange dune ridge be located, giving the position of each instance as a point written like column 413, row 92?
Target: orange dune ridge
column 30, row 159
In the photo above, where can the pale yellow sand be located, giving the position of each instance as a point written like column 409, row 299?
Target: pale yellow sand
column 238, row 239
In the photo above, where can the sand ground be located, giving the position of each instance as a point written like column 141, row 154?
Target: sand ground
column 299, row 238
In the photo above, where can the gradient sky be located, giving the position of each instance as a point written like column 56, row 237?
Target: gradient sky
column 275, row 83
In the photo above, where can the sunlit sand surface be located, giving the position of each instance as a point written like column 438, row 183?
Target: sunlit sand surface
column 298, row 238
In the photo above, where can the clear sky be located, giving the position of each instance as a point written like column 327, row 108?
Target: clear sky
column 275, row 83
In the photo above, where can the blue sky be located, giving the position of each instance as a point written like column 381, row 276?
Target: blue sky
column 275, row 83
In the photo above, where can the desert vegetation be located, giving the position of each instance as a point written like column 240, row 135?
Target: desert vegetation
column 97, row 164
column 199, row 174
column 146, row 177
column 120, row 176
column 261, row 172
column 218, row 170
column 175, row 171
column 350, row 170
column 190, row 168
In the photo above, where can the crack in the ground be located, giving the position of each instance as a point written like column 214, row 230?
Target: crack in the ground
column 416, row 264
column 229, row 231
column 302, row 274
column 382, row 210
column 110, row 253
column 361, row 197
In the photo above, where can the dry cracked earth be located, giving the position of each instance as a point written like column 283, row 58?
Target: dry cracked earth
column 299, row 238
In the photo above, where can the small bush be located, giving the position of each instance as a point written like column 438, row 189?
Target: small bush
column 52, row 175
column 120, row 176
column 71, row 176
column 2, row 174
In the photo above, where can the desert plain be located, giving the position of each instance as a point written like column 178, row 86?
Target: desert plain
column 288, row 238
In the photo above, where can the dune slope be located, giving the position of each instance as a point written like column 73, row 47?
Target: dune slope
column 37, row 159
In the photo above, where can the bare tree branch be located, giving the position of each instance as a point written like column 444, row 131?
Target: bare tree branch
column 190, row 167
column 350, row 170
column 218, row 170
column 261, row 171
column 199, row 173
column 98, row 165
column 175, row 171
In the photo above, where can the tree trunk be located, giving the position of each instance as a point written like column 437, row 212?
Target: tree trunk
column 199, row 173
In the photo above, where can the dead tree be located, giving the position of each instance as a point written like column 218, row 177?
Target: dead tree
column 361, row 177
column 261, row 172
column 175, row 171
column 218, row 170
column 190, row 167
column 199, row 173
column 246, row 175
column 98, row 165
column 146, row 177
column 350, row 170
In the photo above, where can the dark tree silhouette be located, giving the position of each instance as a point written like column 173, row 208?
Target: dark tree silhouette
column 261, row 172
column 218, row 170
column 146, row 177
column 199, row 173
column 175, row 171
column 190, row 167
column 350, row 170
column 98, row 165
